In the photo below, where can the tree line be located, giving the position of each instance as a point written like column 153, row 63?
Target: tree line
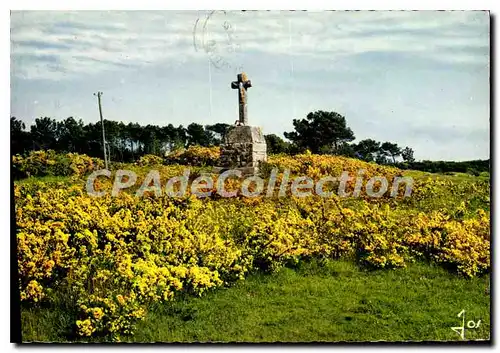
column 320, row 132
column 125, row 142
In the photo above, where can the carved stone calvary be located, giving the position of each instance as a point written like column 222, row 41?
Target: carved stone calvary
column 242, row 84
column 244, row 146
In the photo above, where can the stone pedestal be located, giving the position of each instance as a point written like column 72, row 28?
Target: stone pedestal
column 243, row 148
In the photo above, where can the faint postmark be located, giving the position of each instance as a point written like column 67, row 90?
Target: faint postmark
column 214, row 35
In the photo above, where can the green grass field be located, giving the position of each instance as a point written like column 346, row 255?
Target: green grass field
column 330, row 301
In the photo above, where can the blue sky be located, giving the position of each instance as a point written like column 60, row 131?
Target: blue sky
column 420, row 79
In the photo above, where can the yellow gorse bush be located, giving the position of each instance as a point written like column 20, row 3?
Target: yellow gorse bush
column 114, row 255
column 150, row 160
column 42, row 163
column 195, row 156
column 317, row 166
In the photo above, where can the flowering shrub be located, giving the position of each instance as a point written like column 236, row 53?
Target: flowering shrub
column 150, row 160
column 43, row 163
column 195, row 156
column 464, row 244
column 81, row 164
column 115, row 255
column 316, row 166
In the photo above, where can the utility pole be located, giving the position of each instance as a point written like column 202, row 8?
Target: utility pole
column 99, row 94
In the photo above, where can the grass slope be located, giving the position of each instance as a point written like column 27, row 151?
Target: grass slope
column 329, row 301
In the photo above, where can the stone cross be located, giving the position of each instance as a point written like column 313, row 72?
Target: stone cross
column 242, row 84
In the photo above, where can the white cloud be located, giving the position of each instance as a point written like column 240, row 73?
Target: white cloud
column 55, row 45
